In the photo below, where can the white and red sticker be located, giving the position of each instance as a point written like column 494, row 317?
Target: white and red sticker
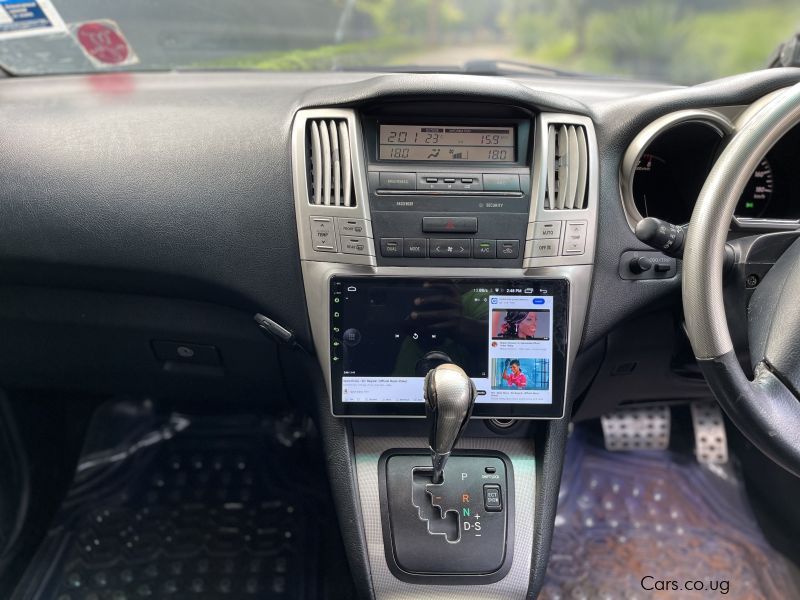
column 23, row 18
column 103, row 43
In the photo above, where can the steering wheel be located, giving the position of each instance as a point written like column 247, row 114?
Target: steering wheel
column 767, row 408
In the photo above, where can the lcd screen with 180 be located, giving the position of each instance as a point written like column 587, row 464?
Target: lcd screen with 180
column 446, row 143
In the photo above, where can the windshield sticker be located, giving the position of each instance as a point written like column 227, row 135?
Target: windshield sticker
column 104, row 44
column 20, row 18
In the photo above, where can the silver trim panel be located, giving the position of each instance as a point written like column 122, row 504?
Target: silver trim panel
column 543, row 174
column 306, row 207
column 387, row 587
column 319, row 267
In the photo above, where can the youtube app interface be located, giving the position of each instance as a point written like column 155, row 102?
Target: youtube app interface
column 386, row 334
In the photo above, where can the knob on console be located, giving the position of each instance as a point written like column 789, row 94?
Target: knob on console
column 449, row 398
column 640, row 264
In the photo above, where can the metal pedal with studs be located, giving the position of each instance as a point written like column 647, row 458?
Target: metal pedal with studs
column 710, row 439
column 644, row 428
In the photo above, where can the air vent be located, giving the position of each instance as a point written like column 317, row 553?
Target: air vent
column 567, row 167
column 330, row 163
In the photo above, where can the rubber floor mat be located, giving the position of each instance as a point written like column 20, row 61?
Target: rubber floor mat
column 657, row 525
column 206, row 514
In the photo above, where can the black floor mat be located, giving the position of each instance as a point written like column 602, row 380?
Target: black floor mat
column 210, row 513
column 654, row 524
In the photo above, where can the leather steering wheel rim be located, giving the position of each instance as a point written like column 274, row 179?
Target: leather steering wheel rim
column 766, row 409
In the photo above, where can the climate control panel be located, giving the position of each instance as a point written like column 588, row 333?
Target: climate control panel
column 468, row 186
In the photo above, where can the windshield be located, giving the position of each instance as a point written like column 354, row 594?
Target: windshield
column 684, row 42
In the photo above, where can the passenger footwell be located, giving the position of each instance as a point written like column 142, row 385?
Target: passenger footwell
column 207, row 512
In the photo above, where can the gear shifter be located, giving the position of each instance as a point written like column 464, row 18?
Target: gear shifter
column 449, row 398
column 447, row 525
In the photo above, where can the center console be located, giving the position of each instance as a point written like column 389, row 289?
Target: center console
column 458, row 236
column 448, row 188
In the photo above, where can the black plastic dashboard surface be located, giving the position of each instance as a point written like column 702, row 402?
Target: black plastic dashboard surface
column 179, row 184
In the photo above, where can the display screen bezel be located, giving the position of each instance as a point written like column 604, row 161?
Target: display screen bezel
column 522, row 128
column 559, row 289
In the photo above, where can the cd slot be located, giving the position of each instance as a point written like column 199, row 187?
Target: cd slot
column 446, row 193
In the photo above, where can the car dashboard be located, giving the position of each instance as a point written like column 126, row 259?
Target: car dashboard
column 379, row 225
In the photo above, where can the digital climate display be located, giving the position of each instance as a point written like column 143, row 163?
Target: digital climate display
column 509, row 337
column 446, row 143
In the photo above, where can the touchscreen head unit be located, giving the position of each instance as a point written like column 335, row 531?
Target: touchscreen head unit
column 510, row 336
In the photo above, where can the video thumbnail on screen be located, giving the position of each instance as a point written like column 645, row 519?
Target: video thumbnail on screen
column 520, row 324
column 520, row 373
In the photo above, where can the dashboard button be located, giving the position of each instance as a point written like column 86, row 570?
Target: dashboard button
column 398, row 181
column 392, row 247
column 415, row 247
column 323, row 234
column 352, row 244
column 352, row 226
column 453, row 248
column 450, row 224
column 575, row 238
column 449, row 182
column 544, row 248
column 543, row 230
column 492, row 498
column 500, row 182
column 484, row 249
column 507, row 248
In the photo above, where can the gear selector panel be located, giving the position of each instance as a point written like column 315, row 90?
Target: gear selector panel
column 457, row 531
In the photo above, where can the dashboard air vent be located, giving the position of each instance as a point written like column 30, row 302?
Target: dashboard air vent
column 567, row 167
column 330, row 163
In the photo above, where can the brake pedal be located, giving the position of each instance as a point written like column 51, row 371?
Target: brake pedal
column 710, row 439
column 645, row 428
